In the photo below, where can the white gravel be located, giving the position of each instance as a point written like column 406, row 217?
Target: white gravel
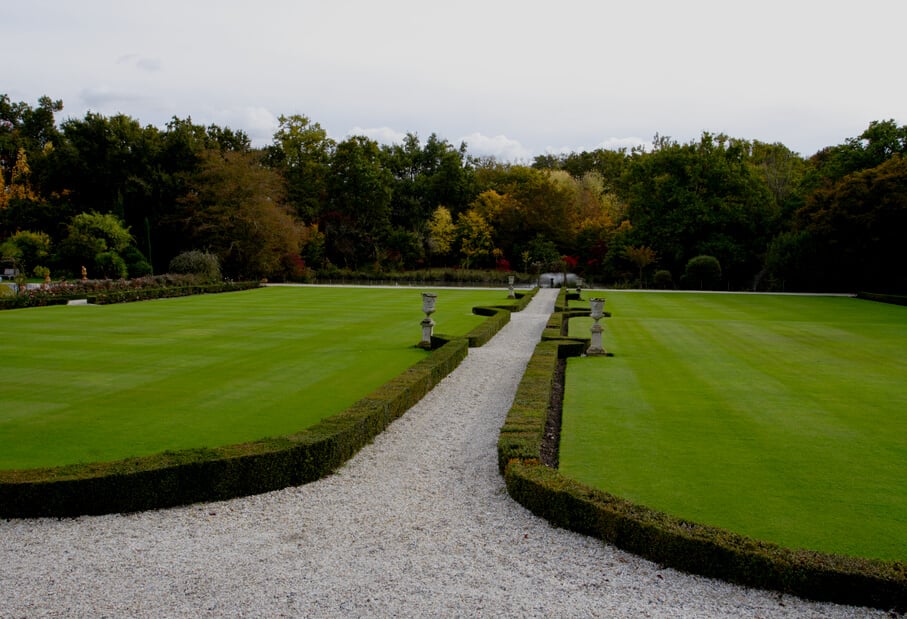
column 417, row 524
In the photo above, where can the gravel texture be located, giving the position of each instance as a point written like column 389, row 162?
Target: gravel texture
column 417, row 524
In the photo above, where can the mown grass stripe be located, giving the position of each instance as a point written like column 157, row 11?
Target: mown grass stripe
column 781, row 418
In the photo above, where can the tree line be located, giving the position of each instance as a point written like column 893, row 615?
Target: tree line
column 124, row 199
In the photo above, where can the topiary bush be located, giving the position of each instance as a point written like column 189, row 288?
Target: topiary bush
column 702, row 273
column 663, row 279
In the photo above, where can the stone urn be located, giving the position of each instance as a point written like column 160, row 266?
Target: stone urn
column 428, row 308
column 598, row 311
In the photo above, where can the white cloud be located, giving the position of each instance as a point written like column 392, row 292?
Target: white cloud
column 627, row 143
column 611, row 143
column 535, row 79
column 140, row 62
column 500, row 147
column 382, row 135
column 258, row 123
column 108, row 100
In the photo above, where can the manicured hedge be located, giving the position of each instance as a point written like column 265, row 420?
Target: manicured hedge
column 499, row 315
column 119, row 291
column 667, row 540
column 179, row 478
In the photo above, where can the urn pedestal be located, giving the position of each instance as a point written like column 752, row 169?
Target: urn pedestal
column 598, row 311
column 428, row 308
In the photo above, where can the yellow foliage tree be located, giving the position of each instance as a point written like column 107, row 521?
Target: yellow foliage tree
column 475, row 236
column 20, row 183
column 441, row 231
column 4, row 196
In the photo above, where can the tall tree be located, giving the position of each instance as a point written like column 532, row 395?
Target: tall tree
column 302, row 151
column 701, row 198
column 360, row 189
column 856, row 229
column 235, row 209
column 474, row 237
column 441, row 232
column 24, row 126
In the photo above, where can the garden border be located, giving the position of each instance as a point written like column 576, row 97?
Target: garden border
column 211, row 474
column 659, row 537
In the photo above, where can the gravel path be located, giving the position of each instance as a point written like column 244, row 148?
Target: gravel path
column 417, row 524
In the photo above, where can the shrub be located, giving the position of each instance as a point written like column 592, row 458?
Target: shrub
column 111, row 265
column 663, row 279
column 702, row 273
column 136, row 263
column 195, row 262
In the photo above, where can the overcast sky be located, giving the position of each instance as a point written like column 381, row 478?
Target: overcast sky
column 513, row 79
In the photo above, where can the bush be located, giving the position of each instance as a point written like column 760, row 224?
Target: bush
column 111, row 265
column 195, row 262
column 136, row 263
column 702, row 273
column 663, row 279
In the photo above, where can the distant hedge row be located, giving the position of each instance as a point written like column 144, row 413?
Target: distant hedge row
column 659, row 537
column 105, row 292
column 196, row 475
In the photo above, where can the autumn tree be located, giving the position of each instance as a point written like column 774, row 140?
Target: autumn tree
column 441, row 232
column 640, row 257
column 235, row 209
column 20, row 187
column 474, row 237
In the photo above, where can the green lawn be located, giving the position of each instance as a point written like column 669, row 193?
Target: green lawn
column 780, row 417
column 100, row 383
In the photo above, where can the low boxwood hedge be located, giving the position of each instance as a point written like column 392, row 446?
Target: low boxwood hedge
column 119, row 291
column 178, row 478
column 662, row 538
column 190, row 476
